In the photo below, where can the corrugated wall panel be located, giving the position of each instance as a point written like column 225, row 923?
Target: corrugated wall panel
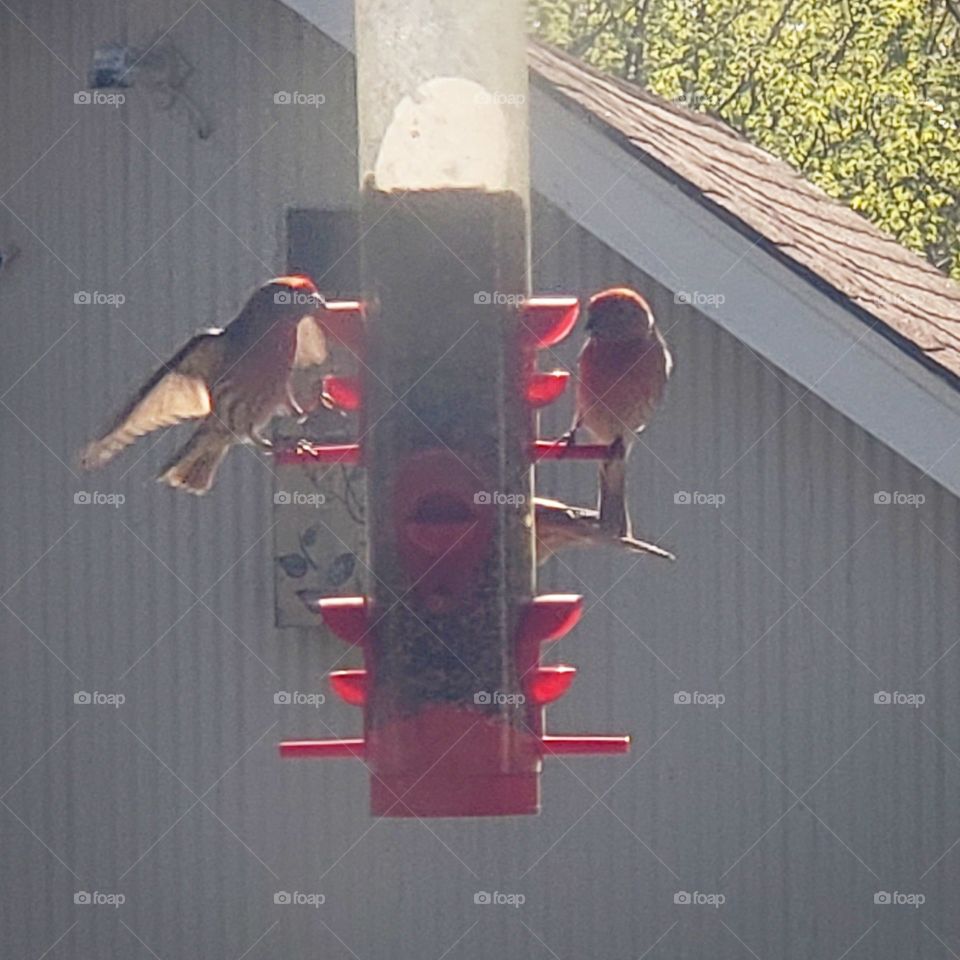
column 797, row 599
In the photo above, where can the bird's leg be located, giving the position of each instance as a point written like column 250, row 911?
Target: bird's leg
column 569, row 439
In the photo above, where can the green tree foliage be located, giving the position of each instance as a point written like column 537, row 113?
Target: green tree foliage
column 862, row 96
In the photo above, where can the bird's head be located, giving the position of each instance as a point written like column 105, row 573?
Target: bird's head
column 619, row 314
column 291, row 297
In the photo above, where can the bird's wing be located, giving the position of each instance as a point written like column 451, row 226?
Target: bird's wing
column 560, row 525
column 311, row 343
column 179, row 390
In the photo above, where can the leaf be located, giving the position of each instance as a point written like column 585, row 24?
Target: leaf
column 341, row 570
column 293, row 565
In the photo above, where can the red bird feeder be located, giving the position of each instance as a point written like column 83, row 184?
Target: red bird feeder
column 453, row 755
column 453, row 691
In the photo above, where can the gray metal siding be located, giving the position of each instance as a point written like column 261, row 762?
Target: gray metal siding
column 169, row 600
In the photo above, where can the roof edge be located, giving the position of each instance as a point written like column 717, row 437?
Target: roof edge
column 750, row 233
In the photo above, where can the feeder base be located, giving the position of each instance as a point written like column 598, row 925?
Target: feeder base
column 432, row 796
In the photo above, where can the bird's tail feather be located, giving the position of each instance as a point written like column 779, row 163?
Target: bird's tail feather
column 97, row 453
column 612, row 506
column 194, row 466
column 641, row 546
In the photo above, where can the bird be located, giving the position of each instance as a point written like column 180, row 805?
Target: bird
column 234, row 380
column 559, row 526
column 622, row 372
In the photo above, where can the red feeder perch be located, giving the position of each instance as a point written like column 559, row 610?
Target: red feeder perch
column 323, row 749
column 581, row 745
column 310, row 453
column 349, row 453
column 560, row 449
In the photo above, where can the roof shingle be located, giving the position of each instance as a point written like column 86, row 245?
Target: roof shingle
column 829, row 243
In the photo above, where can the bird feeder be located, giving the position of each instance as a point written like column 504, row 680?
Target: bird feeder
column 452, row 691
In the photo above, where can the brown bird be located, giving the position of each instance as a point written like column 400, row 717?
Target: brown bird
column 623, row 370
column 560, row 526
column 235, row 380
